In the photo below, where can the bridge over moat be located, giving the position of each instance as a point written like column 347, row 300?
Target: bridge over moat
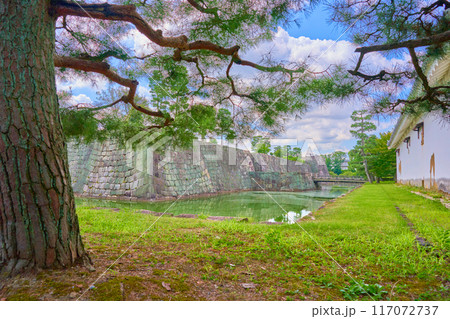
column 338, row 180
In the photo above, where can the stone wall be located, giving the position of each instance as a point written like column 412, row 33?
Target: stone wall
column 102, row 170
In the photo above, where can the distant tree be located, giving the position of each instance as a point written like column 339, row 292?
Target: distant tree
column 381, row 160
column 260, row 144
column 356, row 163
column 337, row 158
column 295, row 154
column 277, row 151
column 361, row 126
column 414, row 27
column 348, row 173
column 356, row 160
column 328, row 161
column 287, row 152
column 334, row 161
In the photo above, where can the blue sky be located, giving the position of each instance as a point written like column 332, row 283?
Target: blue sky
column 316, row 25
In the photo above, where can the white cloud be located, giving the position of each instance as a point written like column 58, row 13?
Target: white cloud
column 141, row 44
column 328, row 125
column 143, row 90
column 319, row 54
column 81, row 98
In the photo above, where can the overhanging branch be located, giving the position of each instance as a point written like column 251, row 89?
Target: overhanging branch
column 432, row 93
column 434, row 39
column 129, row 14
column 104, row 69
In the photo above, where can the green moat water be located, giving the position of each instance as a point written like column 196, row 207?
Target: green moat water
column 260, row 206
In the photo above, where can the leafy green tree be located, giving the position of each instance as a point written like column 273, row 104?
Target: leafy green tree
column 295, row 154
column 337, row 159
column 287, row 152
column 277, row 151
column 417, row 28
column 356, row 163
column 348, row 173
column 356, row 160
column 381, row 160
column 334, row 161
column 361, row 126
column 260, row 144
column 328, row 162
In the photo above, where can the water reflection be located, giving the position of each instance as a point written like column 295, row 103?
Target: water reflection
column 256, row 205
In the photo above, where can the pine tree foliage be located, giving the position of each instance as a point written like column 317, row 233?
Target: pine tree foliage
column 181, row 64
column 361, row 126
column 418, row 30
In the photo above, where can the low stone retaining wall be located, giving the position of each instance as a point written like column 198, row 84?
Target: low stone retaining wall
column 437, row 184
column 103, row 170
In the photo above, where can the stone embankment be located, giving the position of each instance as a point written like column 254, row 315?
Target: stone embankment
column 108, row 170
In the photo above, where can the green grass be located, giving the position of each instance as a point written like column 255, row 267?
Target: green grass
column 207, row 260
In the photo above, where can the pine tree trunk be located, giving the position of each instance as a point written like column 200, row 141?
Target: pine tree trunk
column 38, row 224
column 363, row 154
column 369, row 178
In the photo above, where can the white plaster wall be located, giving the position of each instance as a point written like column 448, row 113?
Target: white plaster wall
column 415, row 163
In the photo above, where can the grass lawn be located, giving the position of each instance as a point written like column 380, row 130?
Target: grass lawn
column 198, row 259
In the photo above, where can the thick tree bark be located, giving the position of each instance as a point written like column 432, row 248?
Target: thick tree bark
column 38, row 224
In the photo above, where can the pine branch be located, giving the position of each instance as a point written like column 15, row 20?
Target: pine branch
column 104, row 69
column 432, row 93
column 129, row 14
column 434, row 39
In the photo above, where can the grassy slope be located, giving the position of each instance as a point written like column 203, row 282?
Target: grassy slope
column 203, row 259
